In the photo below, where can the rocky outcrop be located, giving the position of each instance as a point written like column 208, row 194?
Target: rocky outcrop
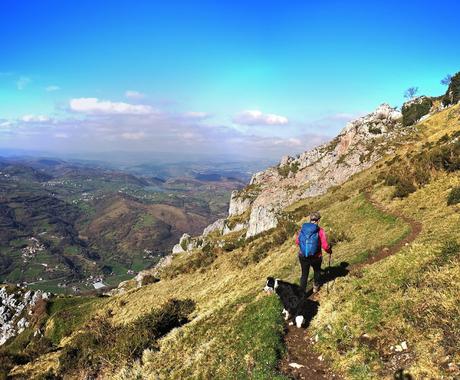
column 238, row 203
column 218, row 225
column 228, row 229
column 187, row 243
column 15, row 307
column 262, row 219
column 359, row 145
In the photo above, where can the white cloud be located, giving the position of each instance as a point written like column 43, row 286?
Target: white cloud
column 96, row 106
column 134, row 94
column 256, row 117
column 52, row 88
column 35, row 118
column 133, row 135
column 22, row 82
column 5, row 123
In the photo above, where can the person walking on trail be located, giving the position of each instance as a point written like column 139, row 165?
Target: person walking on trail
column 311, row 241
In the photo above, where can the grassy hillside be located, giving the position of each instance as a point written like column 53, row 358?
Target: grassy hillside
column 63, row 225
column 236, row 331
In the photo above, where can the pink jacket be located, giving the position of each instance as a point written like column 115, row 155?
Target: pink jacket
column 323, row 240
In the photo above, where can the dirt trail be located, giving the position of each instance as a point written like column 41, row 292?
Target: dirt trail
column 299, row 343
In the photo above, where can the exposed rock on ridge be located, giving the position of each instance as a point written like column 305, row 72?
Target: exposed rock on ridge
column 358, row 146
column 15, row 306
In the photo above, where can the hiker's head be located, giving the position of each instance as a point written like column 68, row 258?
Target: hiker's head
column 315, row 217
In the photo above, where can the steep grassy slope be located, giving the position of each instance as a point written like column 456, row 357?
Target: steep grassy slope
column 235, row 330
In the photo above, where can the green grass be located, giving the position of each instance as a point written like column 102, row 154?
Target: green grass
column 67, row 314
column 410, row 296
column 257, row 339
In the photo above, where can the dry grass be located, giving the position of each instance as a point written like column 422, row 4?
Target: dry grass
column 401, row 298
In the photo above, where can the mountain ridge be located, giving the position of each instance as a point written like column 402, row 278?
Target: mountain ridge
column 236, row 331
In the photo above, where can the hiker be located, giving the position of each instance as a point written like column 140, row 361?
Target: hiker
column 311, row 240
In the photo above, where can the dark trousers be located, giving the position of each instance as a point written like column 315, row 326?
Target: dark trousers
column 305, row 263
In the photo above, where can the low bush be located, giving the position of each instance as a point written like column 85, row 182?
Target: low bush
column 284, row 170
column 149, row 279
column 454, row 196
column 375, row 130
column 416, row 110
column 452, row 95
column 104, row 347
column 231, row 245
column 403, row 188
column 419, row 167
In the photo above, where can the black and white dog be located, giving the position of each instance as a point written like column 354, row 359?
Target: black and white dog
column 294, row 300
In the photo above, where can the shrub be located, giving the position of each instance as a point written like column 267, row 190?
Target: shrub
column 295, row 167
column 231, row 245
column 452, row 95
column 375, row 130
column 284, row 170
column 454, row 196
column 403, row 188
column 391, row 179
column 414, row 111
column 104, row 346
column 446, row 157
column 149, row 279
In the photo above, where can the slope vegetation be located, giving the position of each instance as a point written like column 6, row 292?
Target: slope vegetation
column 400, row 312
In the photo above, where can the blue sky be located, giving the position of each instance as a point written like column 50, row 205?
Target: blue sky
column 245, row 78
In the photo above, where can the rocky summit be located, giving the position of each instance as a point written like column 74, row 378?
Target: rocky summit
column 257, row 207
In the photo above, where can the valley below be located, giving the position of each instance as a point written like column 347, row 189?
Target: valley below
column 72, row 227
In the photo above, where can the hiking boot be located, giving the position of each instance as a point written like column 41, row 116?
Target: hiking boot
column 315, row 288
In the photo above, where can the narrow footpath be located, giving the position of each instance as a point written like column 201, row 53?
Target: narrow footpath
column 301, row 361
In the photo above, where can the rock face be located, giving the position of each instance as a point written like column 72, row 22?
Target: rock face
column 262, row 219
column 235, row 228
column 15, row 306
column 358, row 146
column 218, row 225
column 238, row 204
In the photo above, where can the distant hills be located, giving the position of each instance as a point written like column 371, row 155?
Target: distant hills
column 94, row 223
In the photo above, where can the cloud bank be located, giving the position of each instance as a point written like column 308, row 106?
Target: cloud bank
column 93, row 125
column 256, row 117
column 96, row 106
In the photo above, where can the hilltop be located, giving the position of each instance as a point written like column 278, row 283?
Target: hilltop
column 388, row 188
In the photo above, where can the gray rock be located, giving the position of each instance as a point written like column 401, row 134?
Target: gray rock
column 15, row 306
column 237, row 227
column 261, row 219
column 218, row 225
column 238, row 204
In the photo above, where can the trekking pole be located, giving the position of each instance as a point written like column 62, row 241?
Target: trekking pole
column 328, row 272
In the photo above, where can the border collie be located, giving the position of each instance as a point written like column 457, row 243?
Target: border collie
column 294, row 300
